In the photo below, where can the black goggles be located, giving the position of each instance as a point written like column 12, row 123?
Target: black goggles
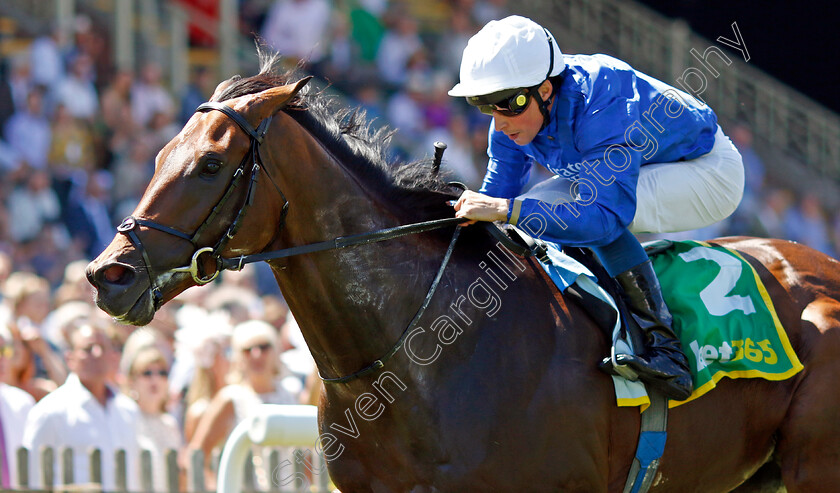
column 510, row 102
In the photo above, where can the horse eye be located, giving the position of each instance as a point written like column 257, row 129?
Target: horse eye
column 211, row 168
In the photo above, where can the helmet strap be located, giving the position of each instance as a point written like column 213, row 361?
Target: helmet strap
column 542, row 104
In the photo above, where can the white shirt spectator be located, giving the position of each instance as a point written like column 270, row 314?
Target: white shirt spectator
column 148, row 96
column 395, row 49
column 46, row 65
column 14, row 407
column 77, row 92
column 71, row 417
column 29, row 134
column 296, row 28
column 30, row 208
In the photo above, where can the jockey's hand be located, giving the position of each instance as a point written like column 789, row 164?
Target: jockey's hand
column 480, row 207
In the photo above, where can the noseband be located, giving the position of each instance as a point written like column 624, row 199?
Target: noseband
column 129, row 225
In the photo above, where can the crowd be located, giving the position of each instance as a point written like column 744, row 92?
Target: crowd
column 72, row 377
column 77, row 149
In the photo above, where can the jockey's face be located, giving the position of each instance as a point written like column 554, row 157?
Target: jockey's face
column 523, row 127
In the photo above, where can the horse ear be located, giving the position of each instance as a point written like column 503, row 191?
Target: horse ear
column 222, row 86
column 266, row 103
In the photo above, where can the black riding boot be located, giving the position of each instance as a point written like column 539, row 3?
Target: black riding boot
column 662, row 364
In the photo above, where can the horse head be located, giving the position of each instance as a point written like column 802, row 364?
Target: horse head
column 188, row 218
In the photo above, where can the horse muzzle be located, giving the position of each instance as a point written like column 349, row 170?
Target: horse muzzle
column 122, row 291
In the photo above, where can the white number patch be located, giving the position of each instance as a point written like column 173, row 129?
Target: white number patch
column 714, row 295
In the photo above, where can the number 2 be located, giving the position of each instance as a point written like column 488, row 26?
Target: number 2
column 714, row 296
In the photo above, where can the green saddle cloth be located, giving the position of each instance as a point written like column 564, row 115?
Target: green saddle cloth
column 723, row 315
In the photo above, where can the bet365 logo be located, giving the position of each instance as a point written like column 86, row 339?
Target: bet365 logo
column 757, row 352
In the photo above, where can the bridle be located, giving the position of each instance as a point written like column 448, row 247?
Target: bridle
column 129, row 227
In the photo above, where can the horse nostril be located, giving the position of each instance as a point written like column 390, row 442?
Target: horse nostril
column 115, row 274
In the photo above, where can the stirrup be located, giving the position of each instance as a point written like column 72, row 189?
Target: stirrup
column 612, row 366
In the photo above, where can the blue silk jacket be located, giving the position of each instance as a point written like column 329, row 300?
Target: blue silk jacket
column 607, row 120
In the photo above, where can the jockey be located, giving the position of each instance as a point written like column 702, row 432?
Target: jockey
column 629, row 153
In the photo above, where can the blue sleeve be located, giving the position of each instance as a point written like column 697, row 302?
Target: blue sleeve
column 508, row 168
column 605, row 187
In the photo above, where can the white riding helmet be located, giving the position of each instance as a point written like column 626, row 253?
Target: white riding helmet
column 511, row 53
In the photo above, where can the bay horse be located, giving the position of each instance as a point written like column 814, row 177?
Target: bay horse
column 495, row 388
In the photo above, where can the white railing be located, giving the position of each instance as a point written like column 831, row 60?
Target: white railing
column 288, row 459
column 274, row 426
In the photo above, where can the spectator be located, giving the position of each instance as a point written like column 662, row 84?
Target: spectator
column 28, row 131
column 339, row 61
column 452, row 43
column 197, row 91
column 116, row 101
column 366, row 27
column 31, row 206
column 87, row 214
column 115, row 129
column 46, row 59
column 35, row 367
column 255, row 371
column 754, row 174
column 405, row 111
column 148, row 96
column 132, row 173
column 807, row 224
column 458, row 157
column 241, row 303
column 297, row 29
column 86, row 412
column 48, row 253
column 14, row 407
column 369, row 99
column 296, row 358
column 71, row 147
column 147, row 370
column 161, row 129
column 437, row 110
column 77, row 92
column 74, row 285
column 771, row 217
column 66, row 317
column 209, row 345
column 20, row 83
column 399, row 43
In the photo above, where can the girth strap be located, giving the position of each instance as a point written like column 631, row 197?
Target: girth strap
column 651, row 445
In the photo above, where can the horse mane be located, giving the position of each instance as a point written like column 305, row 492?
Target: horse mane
column 412, row 187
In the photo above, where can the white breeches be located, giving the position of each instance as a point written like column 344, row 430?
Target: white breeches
column 689, row 195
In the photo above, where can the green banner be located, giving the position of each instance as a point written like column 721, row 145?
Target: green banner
column 723, row 315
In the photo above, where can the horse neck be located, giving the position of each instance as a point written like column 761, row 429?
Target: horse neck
column 347, row 301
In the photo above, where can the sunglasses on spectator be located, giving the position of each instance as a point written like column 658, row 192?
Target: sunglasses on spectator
column 262, row 347
column 151, row 373
column 510, row 102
